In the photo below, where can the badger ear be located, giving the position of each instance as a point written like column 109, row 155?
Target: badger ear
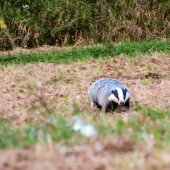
column 113, row 90
column 125, row 89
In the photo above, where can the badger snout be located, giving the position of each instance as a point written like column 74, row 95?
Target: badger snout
column 122, row 103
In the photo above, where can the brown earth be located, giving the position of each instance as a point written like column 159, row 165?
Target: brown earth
column 146, row 77
column 26, row 91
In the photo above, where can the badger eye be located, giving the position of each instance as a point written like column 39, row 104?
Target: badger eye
column 117, row 97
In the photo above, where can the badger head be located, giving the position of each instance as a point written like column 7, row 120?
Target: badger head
column 119, row 95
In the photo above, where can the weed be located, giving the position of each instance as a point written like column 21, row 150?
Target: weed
column 78, row 86
column 62, row 75
column 53, row 80
column 81, row 73
column 53, row 99
column 62, row 86
column 147, row 81
column 64, row 109
column 148, row 67
column 94, row 79
column 72, row 82
column 161, row 77
column 30, row 86
column 127, row 71
column 65, row 98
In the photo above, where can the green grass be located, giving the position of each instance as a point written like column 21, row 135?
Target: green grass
column 35, row 132
column 105, row 51
column 156, row 124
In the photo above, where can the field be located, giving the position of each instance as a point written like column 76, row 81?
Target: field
column 51, row 52
column 41, row 102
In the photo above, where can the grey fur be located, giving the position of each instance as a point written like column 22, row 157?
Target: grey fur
column 100, row 91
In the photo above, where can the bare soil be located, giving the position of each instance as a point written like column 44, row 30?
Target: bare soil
column 23, row 87
column 147, row 78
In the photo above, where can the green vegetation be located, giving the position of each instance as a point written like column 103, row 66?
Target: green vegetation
column 33, row 133
column 34, row 23
column 105, row 51
column 155, row 126
column 147, row 81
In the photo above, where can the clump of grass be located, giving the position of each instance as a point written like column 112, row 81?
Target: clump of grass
column 148, row 67
column 62, row 75
column 147, row 81
column 30, row 86
column 128, row 71
column 64, row 109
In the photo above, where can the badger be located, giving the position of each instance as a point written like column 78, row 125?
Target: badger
column 108, row 94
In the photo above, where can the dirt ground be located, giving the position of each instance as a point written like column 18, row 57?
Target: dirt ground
column 147, row 78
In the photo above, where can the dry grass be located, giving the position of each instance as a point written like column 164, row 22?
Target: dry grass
column 146, row 77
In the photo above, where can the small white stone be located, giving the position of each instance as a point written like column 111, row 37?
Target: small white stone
column 77, row 126
column 77, row 123
column 85, row 129
column 38, row 84
column 88, row 130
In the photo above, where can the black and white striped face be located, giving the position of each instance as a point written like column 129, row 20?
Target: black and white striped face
column 119, row 95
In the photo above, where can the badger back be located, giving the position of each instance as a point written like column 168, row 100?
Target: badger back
column 94, row 88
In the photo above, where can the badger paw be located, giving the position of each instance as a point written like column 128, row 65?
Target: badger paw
column 93, row 105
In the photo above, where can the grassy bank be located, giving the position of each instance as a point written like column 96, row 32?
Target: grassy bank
column 33, row 24
column 105, row 51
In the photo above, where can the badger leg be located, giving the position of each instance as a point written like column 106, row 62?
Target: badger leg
column 92, row 105
column 127, row 103
column 111, row 106
column 95, row 104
